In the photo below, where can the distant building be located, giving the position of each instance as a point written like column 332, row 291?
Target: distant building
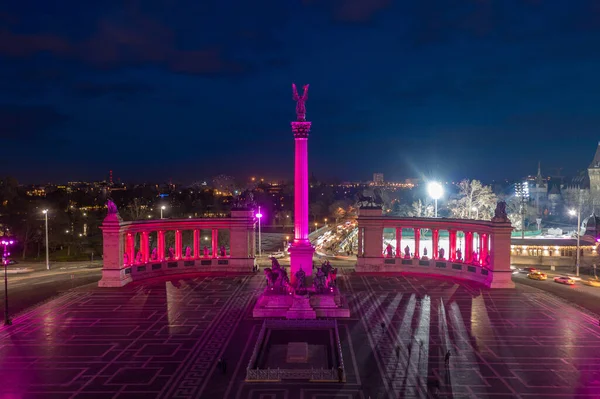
column 594, row 176
column 378, row 179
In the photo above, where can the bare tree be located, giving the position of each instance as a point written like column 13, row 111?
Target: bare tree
column 136, row 210
column 475, row 201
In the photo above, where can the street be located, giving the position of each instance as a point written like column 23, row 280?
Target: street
column 27, row 290
column 582, row 295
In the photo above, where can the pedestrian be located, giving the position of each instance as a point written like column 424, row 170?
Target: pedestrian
column 340, row 374
column 382, row 325
column 398, row 351
column 224, row 366
column 220, row 364
column 409, row 348
column 447, row 359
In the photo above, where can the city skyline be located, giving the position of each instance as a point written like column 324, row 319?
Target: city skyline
column 406, row 90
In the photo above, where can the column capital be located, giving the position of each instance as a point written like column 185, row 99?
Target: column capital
column 301, row 129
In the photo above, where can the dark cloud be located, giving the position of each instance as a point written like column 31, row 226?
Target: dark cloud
column 352, row 11
column 124, row 42
column 19, row 122
column 24, row 45
column 91, row 89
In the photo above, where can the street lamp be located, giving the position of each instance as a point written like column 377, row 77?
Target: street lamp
column 162, row 208
column 5, row 260
column 476, row 210
column 325, row 221
column 316, row 224
column 522, row 191
column 45, row 212
column 259, row 217
column 435, row 191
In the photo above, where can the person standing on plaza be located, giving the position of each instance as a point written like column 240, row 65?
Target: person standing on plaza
column 447, row 359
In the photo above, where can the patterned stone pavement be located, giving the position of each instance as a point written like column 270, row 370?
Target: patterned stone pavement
column 161, row 339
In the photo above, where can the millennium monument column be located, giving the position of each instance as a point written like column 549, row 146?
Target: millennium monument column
column 301, row 251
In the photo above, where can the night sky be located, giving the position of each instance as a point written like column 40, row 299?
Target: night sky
column 187, row 89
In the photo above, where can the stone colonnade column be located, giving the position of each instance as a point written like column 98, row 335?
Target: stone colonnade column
column 398, row 241
column 435, row 235
column 484, row 248
column 452, row 242
column 130, row 245
column 178, row 244
column 160, row 244
column 145, row 244
column 215, row 242
column 196, row 243
column 468, row 255
column 417, row 241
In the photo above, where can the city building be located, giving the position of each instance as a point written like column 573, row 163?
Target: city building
column 378, row 179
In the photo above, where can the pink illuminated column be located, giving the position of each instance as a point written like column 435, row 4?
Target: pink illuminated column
column 196, row 243
column 417, row 242
column 484, row 248
column 145, row 246
column 398, row 241
column 468, row 255
column 215, row 242
column 130, row 247
column 360, row 242
column 160, row 244
column 301, row 250
column 178, row 244
column 435, row 237
column 452, row 243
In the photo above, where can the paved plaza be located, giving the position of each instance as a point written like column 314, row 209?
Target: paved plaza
column 162, row 339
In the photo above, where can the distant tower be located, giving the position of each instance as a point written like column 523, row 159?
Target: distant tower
column 110, row 179
column 301, row 250
column 594, row 174
column 540, row 190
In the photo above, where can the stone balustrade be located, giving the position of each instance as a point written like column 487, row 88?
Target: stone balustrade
column 485, row 257
column 129, row 255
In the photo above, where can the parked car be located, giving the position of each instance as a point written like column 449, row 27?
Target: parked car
column 278, row 255
column 537, row 276
column 564, row 280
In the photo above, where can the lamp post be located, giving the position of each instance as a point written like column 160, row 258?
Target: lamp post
column 5, row 260
column 162, row 208
column 45, row 212
column 476, row 210
column 259, row 216
column 573, row 212
column 522, row 191
column 316, row 226
column 435, row 191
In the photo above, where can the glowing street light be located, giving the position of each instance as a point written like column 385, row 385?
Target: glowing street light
column 476, row 210
column 45, row 212
column 259, row 216
column 435, row 191
column 162, row 208
column 5, row 260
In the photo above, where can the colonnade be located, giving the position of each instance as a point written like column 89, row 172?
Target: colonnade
column 142, row 254
column 123, row 261
column 472, row 254
column 486, row 250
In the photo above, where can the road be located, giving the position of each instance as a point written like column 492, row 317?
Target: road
column 25, row 291
column 582, row 295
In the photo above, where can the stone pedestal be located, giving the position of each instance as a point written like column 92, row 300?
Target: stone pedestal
column 301, row 308
column 502, row 279
column 309, row 306
column 301, row 256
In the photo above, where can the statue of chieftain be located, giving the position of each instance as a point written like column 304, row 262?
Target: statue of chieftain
column 300, row 107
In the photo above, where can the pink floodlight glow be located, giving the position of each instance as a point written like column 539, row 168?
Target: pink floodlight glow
column 9, row 242
column 259, row 215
